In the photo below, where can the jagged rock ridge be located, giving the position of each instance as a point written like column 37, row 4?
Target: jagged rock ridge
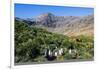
column 67, row 25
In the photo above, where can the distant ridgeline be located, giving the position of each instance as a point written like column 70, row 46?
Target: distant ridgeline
column 46, row 38
column 67, row 25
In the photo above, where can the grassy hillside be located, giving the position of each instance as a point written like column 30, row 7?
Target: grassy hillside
column 31, row 44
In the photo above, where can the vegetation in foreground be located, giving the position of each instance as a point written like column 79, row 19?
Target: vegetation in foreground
column 38, row 45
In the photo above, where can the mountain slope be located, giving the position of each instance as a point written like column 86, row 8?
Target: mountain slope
column 32, row 43
column 67, row 25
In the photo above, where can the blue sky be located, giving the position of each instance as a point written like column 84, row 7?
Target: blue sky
column 31, row 10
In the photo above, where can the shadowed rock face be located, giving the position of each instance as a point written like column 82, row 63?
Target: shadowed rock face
column 67, row 25
column 47, row 20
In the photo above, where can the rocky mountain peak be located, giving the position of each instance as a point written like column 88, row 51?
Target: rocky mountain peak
column 67, row 25
column 46, row 19
column 45, row 15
